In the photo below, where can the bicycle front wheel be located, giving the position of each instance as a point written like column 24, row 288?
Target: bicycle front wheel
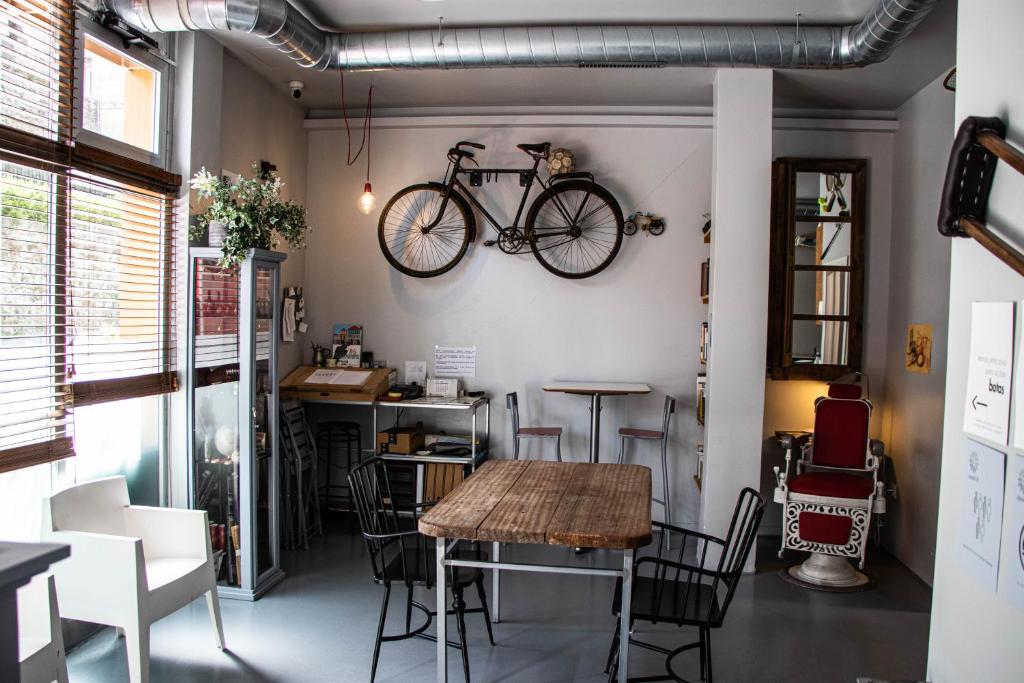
column 575, row 228
column 420, row 234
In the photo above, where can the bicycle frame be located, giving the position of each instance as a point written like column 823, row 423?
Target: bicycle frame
column 527, row 177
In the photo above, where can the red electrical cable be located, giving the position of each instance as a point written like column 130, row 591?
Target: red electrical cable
column 367, row 127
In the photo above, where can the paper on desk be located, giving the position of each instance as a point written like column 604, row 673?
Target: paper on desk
column 337, row 376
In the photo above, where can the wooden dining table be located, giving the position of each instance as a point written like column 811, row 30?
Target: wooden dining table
column 572, row 504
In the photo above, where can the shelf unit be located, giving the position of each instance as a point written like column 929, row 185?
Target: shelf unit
column 705, row 346
column 434, row 474
column 232, row 409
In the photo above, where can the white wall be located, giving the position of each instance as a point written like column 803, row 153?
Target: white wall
column 976, row 634
column 919, row 262
column 259, row 121
column 637, row 321
column 227, row 117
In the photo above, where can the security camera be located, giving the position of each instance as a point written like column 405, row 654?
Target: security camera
column 296, row 88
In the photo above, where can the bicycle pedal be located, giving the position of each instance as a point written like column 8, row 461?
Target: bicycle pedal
column 490, row 243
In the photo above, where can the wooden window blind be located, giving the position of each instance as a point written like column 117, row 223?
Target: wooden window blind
column 87, row 251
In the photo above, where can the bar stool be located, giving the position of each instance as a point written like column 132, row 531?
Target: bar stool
column 512, row 403
column 654, row 435
column 331, row 438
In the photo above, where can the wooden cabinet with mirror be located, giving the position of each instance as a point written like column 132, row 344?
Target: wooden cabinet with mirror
column 816, row 290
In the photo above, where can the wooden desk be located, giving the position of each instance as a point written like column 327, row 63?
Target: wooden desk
column 556, row 503
column 595, row 390
column 295, row 386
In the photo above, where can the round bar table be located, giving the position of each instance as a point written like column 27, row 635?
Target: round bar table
column 595, row 390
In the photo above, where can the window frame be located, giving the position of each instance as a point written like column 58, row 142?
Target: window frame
column 65, row 154
column 87, row 27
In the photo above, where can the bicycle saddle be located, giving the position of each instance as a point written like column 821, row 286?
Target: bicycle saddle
column 539, row 148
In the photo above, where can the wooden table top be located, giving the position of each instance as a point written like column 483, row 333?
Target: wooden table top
column 574, row 504
column 603, row 388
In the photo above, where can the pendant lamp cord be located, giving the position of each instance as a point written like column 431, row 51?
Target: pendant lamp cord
column 367, row 127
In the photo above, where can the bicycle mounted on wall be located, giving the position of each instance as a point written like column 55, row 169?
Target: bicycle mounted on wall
column 574, row 227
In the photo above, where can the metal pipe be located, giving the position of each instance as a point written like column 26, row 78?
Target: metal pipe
column 868, row 41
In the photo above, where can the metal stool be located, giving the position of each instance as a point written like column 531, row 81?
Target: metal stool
column 512, row 402
column 331, row 437
column 655, row 435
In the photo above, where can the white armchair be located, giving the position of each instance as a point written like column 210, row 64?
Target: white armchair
column 130, row 565
column 40, row 644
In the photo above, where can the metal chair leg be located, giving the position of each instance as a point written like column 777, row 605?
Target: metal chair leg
column 380, row 632
column 515, row 446
column 408, row 608
column 614, row 647
column 459, row 605
column 622, row 449
column 483, row 605
column 707, row 649
column 703, row 655
column 558, row 447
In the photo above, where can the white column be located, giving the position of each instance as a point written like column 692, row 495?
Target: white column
column 738, row 309
column 196, row 143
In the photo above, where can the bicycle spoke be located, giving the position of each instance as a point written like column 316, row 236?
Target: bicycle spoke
column 417, row 237
column 589, row 243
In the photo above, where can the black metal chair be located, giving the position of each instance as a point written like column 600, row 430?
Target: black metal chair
column 301, row 506
column 401, row 555
column 686, row 591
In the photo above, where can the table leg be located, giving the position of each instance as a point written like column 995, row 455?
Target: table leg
column 442, row 615
column 624, row 613
column 496, row 584
column 595, row 426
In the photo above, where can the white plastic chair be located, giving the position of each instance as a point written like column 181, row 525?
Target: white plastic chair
column 40, row 644
column 130, row 565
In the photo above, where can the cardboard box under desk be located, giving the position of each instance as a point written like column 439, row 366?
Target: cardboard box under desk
column 403, row 440
column 294, row 386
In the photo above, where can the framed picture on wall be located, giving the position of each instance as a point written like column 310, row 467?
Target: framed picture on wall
column 918, row 354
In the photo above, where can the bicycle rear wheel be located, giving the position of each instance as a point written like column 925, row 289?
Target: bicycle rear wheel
column 409, row 242
column 575, row 228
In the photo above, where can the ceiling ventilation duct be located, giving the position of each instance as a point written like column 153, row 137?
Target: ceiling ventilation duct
column 770, row 46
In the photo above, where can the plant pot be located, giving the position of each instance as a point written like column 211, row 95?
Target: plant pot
column 216, row 234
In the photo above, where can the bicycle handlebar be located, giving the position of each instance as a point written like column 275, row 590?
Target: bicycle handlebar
column 475, row 145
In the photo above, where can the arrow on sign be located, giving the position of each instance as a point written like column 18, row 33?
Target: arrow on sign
column 975, row 403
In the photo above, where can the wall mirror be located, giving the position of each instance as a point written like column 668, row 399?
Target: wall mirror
column 816, row 290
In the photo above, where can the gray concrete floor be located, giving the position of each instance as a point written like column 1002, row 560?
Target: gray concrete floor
column 319, row 625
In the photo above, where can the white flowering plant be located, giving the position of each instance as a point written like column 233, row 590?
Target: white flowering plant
column 252, row 212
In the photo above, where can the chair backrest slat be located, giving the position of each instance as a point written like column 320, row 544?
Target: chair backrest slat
column 670, row 407
column 512, row 403
column 375, row 508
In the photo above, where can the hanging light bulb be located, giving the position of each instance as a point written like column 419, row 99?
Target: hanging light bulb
column 367, row 202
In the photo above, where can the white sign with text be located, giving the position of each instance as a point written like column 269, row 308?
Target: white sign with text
column 455, row 361
column 989, row 372
column 981, row 511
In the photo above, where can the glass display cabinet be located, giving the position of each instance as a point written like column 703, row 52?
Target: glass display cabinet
column 232, row 411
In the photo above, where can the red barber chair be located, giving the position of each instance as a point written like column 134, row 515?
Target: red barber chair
column 829, row 499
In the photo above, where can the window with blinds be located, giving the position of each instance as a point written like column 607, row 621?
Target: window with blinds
column 87, row 251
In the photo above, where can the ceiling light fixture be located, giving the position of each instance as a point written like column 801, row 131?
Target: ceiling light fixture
column 367, row 202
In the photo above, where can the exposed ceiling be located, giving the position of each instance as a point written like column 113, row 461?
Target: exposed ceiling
column 926, row 53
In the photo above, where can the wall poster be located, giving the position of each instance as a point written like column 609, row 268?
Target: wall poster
column 981, row 511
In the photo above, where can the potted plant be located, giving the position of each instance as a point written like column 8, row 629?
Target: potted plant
column 250, row 212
